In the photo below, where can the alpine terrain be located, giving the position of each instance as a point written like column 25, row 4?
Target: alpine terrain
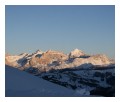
column 54, row 73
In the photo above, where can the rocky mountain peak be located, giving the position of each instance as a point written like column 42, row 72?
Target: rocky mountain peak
column 38, row 52
column 23, row 54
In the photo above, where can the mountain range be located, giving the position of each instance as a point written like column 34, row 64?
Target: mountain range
column 81, row 73
column 45, row 61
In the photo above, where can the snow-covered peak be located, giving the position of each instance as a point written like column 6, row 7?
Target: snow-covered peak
column 76, row 50
column 23, row 54
column 52, row 51
column 76, row 53
column 38, row 52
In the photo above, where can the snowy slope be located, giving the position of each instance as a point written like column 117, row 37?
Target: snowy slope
column 22, row 84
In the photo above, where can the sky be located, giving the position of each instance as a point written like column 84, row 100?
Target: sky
column 63, row 28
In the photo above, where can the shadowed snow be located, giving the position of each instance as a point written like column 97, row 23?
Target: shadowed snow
column 22, row 84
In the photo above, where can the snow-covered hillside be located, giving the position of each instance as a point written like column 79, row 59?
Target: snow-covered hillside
column 22, row 84
column 97, row 82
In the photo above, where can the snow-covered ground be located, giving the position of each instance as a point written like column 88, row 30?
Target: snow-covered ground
column 94, row 82
column 22, row 84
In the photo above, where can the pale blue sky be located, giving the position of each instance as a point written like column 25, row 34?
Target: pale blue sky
column 64, row 28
